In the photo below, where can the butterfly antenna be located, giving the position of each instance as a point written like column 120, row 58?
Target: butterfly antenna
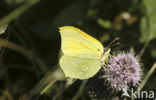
column 111, row 43
column 115, row 44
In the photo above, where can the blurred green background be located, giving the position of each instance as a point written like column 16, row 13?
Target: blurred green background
column 30, row 46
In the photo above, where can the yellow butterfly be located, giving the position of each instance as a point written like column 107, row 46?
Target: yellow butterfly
column 83, row 55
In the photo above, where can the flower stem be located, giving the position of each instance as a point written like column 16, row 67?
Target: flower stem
column 144, row 48
column 146, row 78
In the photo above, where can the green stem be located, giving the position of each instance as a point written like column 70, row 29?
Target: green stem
column 25, row 52
column 47, row 81
column 144, row 48
column 79, row 93
column 66, row 87
column 17, row 12
column 146, row 78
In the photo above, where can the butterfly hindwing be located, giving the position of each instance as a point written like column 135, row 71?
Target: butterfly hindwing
column 81, row 68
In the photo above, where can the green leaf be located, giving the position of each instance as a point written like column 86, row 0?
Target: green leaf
column 148, row 22
column 150, row 6
column 104, row 23
column 144, row 30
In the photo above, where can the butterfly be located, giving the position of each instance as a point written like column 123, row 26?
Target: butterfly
column 83, row 55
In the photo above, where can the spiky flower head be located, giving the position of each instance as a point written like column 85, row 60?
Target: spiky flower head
column 123, row 70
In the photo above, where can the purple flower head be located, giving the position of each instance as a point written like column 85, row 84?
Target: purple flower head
column 123, row 70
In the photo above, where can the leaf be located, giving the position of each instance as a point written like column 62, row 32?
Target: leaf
column 148, row 22
column 144, row 30
column 68, row 16
column 150, row 6
column 104, row 23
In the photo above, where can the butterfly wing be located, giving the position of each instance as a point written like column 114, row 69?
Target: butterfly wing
column 81, row 68
column 79, row 44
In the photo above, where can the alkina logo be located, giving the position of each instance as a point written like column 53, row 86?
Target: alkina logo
column 140, row 94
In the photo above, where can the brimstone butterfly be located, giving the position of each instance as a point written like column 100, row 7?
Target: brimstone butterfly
column 83, row 55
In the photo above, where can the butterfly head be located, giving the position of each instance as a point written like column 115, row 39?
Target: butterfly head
column 105, row 55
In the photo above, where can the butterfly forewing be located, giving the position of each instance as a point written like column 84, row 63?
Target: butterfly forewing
column 77, row 43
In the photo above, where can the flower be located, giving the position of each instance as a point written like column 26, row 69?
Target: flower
column 123, row 70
